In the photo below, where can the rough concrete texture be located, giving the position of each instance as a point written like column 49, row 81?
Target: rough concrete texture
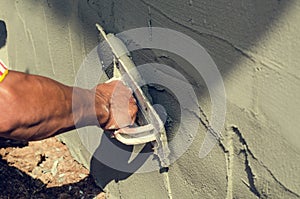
column 255, row 45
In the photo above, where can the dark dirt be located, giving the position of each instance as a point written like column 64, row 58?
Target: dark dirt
column 43, row 169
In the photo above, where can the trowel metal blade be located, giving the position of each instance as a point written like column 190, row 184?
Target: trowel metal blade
column 105, row 54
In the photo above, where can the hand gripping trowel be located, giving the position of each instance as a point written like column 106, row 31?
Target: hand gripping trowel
column 152, row 129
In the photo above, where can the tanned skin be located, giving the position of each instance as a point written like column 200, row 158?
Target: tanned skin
column 33, row 107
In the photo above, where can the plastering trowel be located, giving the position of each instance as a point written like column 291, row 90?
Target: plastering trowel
column 152, row 128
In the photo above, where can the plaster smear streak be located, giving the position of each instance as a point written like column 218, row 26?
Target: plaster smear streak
column 244, row 167
column 229, row 144
column 229, row 154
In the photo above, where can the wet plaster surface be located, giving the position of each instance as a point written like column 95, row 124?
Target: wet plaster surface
column 253, row 43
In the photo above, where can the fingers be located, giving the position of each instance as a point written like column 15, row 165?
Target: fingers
column 118, row 85
column 133, row 109
column 122, row 117
column 122, row 105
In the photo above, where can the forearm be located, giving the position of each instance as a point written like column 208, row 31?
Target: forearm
column 34, row 107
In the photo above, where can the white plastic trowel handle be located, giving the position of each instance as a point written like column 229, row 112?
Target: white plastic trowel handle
column 136, row 135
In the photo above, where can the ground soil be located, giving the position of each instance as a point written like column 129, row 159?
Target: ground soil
column 43, row 169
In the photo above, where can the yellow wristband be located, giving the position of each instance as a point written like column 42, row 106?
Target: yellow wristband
column 3, row 75
column 3, row 71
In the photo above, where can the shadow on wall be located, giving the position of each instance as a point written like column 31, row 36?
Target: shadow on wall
column 214, row 23
column 211, row 23
column 3, row 34
column 110, row 152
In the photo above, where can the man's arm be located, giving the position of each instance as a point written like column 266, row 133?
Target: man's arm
column 34, row 107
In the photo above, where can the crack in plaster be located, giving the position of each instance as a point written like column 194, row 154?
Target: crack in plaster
column 250, row 174
column 228, row 150
column 249, row 171
column 229, row 157
column 204, row 121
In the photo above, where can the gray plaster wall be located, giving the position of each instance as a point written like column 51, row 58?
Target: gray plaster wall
column 255, row 45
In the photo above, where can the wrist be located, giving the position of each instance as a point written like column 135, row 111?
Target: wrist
column 83, row 107
column 3, row 71
column 102, row 107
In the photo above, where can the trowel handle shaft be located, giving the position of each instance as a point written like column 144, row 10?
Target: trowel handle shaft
column 135, row 135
